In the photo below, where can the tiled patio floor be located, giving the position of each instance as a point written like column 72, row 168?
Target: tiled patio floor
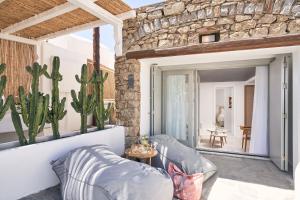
column 237, row 179
column 247, row 179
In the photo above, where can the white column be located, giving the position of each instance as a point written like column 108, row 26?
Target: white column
column 118, row 39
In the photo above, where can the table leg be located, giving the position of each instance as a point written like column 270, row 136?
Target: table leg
column 212, row 145
column 150, row 161
column 225, row 139
column 221, row 140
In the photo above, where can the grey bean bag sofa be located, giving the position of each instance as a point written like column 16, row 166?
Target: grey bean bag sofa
column 96, row 173
column 189, row 160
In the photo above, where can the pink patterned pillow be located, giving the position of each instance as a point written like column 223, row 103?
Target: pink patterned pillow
column 186, row 187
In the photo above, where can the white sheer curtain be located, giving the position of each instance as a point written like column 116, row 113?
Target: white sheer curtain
column 176, row 106
column 259, row 130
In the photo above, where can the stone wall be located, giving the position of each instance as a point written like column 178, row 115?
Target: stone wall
column 177, row 23
column 180, row 23
column 128, row 99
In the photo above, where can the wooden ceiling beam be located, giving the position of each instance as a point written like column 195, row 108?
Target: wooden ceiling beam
column 39, row 18
column 90, row 25
column 269, row 42
column 18, row 39
column 105, row 16
column 97, row 11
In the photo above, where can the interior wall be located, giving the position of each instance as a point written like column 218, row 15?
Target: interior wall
column 207, row 105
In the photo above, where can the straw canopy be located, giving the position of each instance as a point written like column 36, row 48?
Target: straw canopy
column 14, row 12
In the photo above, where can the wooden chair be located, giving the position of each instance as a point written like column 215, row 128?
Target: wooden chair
column 246, row 136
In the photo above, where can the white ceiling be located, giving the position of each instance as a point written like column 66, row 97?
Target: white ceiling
column 227, row 75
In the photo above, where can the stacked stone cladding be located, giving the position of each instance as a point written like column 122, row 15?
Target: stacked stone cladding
column 180, row 23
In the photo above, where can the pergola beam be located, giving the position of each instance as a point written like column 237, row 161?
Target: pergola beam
column 118, row 40
column 90, row 25
column 49, row 14
column 18, row 39
column 105, row 16
column 97, row 11
column 44, row 16
column 72, row 30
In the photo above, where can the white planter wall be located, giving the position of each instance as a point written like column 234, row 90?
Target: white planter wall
column 27, row 170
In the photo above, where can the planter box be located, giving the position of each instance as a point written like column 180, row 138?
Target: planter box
column 26, row 170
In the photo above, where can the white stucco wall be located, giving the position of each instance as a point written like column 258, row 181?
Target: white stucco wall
column 145, row 99
column 73, row 52
column 70, row 65
column 84, row 47
column 27, row 170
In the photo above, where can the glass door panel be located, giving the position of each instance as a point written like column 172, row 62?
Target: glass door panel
column 178, row 104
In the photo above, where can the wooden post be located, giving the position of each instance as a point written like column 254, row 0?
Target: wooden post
column 96, row 49
column 99, row 85
column 96, row 61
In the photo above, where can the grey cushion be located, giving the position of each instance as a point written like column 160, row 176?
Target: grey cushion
column 95, row 172
column 188, row 159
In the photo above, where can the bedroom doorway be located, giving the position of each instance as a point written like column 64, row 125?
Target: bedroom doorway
column 224, row 109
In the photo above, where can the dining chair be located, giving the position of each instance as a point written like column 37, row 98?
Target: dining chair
column 246, row 136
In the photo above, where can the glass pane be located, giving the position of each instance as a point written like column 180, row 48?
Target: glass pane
column 176, row 107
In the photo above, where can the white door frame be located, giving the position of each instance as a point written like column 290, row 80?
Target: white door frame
column 233, row 123
column 231, row 56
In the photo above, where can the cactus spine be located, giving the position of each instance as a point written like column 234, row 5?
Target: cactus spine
column 34, row 106
column 84, row 103
column 4, row 105
column 101, row 113
column 57, row 111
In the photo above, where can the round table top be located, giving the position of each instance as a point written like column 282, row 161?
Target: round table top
column 217, row 130
column 219, row 134
column 142, row 154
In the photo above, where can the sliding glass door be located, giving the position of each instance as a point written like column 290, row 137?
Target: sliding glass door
column 280, row 111
column 178, row 105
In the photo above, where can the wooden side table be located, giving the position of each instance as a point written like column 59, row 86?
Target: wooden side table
column 221, row 136
column 142, row 155
column 212, row 131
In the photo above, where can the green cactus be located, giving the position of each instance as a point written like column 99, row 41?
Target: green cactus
column 4, row 105
column 101, row 113
column 84, row 103
column 34, row 106
column 18, row 124
column 57, row 111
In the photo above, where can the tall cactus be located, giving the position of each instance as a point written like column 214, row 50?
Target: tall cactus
column 57, row 111
column 34, row 106
column 4, row 105
column 101, row 113
column 84, row 103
